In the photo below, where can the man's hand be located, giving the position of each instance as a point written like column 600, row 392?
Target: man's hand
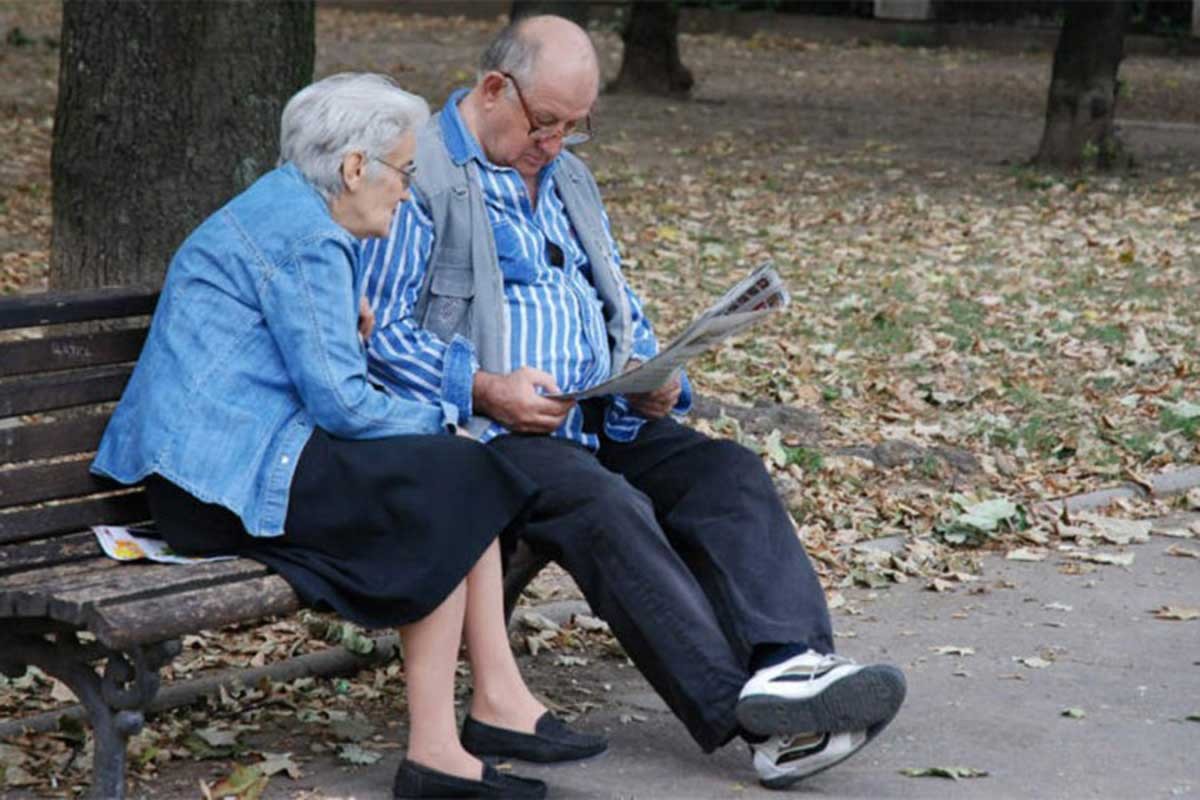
column 658, row 403
column 513, row 401
column 366, row 319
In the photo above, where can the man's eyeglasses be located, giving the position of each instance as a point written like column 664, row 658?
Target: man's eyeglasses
column 406, row 172
column 569, row 131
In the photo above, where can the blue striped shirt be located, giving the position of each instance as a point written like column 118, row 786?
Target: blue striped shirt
column 557, row 323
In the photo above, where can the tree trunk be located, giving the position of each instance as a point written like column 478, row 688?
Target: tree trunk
column 165, row 111
column 574, row 10
column 1081, row 108
column 651, row 62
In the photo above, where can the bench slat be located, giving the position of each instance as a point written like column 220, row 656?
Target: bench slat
column 70, row 352
column 40, row 482
column 124, row 625
column 80, row 434
column 46, row 553
column 12, row 587
column 50, row 576
column 28, row 310
column 141, row 581
column 24, row 524
column 62, row 390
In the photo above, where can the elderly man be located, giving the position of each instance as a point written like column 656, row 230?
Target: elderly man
column 500, row 286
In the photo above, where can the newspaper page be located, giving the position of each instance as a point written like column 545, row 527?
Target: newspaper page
column 749, row 300
column 124, row 544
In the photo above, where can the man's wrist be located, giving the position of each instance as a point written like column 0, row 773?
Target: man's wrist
column 482, row 387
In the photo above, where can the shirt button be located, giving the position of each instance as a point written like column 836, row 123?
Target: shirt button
column 284, row 460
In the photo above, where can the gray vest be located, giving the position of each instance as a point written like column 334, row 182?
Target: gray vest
column 463, row 290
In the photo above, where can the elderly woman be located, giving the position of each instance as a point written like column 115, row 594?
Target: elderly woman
column 253, row 423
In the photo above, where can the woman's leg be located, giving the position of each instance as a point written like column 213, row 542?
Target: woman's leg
column 500, row 696
column 430, row 658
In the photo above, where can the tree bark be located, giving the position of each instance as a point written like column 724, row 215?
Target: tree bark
column 165, row 111
column 651, row 62
column 1081, row 107
column 575, row 10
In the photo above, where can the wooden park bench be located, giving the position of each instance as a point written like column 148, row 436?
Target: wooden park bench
column 102, row 627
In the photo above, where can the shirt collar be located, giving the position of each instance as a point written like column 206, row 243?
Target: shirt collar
column 462, row 144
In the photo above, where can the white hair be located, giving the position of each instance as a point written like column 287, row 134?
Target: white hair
column 350, row 112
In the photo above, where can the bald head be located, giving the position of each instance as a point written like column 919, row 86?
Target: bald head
column 544, row 48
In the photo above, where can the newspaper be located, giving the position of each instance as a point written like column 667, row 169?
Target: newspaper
column 748, row 301
column 124, row 544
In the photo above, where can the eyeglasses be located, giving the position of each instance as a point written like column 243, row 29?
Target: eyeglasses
column 406, row 172
column 569, row 131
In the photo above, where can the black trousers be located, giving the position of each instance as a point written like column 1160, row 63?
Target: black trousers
column 682, row 545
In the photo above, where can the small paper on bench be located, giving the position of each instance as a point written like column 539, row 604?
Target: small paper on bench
column 748, row 301
column 125, row 545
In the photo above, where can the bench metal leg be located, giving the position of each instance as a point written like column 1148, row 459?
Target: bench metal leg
column 116, row 699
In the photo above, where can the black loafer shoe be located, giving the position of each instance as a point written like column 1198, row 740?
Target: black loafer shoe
column 551, row 741
column 414, row 780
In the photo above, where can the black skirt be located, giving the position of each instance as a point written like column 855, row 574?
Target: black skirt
column 379, row 531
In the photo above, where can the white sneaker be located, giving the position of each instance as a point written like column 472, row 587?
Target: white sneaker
column 815, row 692
column 782, row 760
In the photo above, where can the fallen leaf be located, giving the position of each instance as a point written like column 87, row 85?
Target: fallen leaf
column 1026, row 554
column 1074, row 713
column 215, row 737
column 1033, row 662
column 1176, row 613
column 274, row 763
column 1115, row 559
column 538, row 622
column 244, row 783
column 953, row 650
column 353, row 754
column 954, row 773
column 1119, row 531
column 590, row 623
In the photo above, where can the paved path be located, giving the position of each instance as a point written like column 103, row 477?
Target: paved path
column 1137, row 679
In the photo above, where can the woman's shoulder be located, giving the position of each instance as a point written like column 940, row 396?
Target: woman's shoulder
column 281, row 214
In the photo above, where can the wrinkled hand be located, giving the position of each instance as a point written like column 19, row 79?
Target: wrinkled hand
column 658, row 403
column 513, row 400
column 366, row 319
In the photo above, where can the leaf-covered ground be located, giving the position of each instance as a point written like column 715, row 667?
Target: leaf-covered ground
column 967, row 336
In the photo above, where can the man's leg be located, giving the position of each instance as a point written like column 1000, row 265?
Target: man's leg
column 719, row 508
column 604, row 533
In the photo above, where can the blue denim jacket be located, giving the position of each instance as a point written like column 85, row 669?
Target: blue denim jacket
column 254, row 342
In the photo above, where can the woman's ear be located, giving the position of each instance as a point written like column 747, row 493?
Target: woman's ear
column 354, row 170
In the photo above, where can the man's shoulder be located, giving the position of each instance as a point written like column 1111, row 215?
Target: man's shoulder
column 573, row 167
column 436, row 171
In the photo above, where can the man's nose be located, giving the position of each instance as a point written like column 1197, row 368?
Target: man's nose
column 552, row 146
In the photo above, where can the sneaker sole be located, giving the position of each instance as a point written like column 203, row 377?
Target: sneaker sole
column 784, row 781
column 857, row 702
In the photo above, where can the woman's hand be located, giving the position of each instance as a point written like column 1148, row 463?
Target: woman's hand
column 366, row 319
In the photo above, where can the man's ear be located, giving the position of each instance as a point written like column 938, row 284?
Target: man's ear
column 354, row 170
column 492, row 88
